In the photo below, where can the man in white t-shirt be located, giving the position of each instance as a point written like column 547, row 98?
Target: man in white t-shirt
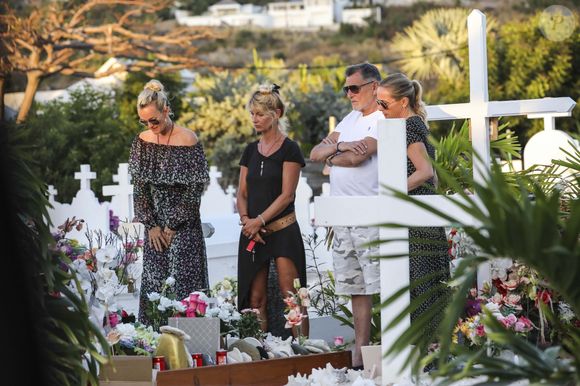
column 351, row 152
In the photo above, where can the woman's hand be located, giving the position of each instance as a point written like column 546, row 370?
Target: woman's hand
column 157, row 240
column 168, row 234
column 251, row 227
column 258, row 237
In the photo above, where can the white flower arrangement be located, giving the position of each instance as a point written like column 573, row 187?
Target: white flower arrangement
column 225, row 291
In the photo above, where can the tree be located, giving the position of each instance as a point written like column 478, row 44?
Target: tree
column 85, row 129
column 522, row 64
column 531, row 66
column 432, row 46
column 74, row 39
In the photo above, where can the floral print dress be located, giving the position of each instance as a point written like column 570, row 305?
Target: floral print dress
column 168, row 182
column 427, row 245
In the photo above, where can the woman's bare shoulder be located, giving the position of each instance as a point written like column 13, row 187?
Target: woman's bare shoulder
column 147, row 136
column 185, row 136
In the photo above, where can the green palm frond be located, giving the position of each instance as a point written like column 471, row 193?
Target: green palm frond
column 453, row 153
column 518, row 220
column 69, row 339
column 434, row 45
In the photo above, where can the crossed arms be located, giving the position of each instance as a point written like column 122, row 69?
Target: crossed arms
column 346, row 154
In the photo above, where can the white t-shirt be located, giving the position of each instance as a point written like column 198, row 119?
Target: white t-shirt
column 362, row 180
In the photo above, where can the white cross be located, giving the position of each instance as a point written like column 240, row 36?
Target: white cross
column 364, row 211
column 124, row 190
column 214, row 174
column 231, row 191
column 549, row 119
column 85, row 176
column 52, row 192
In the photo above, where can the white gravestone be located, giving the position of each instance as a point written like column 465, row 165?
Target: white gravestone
column 549, row 144
column 85, row 205
column 546, row 146
column 52, row 192
column 361, row 211
column 302, row 205
column 215, row 202
column 122, row 200
column 231, row 192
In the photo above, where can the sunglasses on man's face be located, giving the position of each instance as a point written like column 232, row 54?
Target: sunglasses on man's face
column 152, row 121
column 355, row 89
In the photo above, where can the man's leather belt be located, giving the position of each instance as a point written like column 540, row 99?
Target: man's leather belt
column 279, row 224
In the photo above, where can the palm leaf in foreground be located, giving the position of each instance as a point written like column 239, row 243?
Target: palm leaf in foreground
column 512, row 223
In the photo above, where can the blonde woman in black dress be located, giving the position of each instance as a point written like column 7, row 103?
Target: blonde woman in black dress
column 169, row 172
column 269, row 173
column 400, row 97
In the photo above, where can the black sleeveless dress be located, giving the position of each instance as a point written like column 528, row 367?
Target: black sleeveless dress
column 264, row 184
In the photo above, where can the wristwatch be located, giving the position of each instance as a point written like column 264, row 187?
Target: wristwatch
column 329, row 160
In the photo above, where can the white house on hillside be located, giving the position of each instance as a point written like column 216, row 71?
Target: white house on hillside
column 303, row 14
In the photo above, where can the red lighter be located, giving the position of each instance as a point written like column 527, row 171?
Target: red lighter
column 250, row 248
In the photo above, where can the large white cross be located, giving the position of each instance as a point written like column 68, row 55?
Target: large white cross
column 85, row 176
column 124, row 191
column 385, row 208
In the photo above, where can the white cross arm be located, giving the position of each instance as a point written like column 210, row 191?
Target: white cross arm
column 500, row 108
column 366, row 211
column 113, row 190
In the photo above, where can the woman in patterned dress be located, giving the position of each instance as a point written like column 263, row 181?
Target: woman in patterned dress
column 169, row 172
column 269, row 172
column 400, row 97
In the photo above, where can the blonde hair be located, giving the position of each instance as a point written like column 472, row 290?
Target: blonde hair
column 267, row 99
column 400, row 87
column 153, row 92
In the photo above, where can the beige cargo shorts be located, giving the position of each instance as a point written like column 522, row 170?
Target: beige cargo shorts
column 356, row 266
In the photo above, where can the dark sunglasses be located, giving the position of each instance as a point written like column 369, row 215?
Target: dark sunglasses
column 355, row 89
column 152, row 121
column 383, row 104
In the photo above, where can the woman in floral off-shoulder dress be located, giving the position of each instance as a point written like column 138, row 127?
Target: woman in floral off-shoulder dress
column 169, row 172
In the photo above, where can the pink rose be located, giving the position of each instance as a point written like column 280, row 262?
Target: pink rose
column 509, row 321
column 113, row 319
column 480, row 330
column 523, row 324
column 193, row 297
column 201, row 307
